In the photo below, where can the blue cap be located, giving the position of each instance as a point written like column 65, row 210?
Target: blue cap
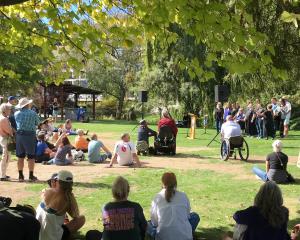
column 10, row 98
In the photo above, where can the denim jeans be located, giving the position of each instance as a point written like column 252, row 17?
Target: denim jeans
column 260, row 173
column 260, row 127
column 218, row 125
column 194, row 221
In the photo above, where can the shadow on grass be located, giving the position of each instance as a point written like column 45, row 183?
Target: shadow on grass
column 213, row 233
column 92, row 185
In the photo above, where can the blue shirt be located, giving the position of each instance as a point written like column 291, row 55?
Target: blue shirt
column 40, row 148
column 26, row 120
column 94, row 150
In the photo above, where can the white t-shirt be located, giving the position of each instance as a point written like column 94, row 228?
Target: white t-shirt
column 171, row 218
column 231, row 129
column 124, row 150
column 51, row 224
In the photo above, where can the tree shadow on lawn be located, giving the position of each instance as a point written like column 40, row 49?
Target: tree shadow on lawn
column 185, row 155
column 216, row 233
column 92, row 185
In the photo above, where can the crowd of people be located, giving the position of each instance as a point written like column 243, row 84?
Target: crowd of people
column 58, row 217
column 40, row 141
column 171, row 215
column 256, row 119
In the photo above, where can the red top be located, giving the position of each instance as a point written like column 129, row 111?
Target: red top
column 168, row 122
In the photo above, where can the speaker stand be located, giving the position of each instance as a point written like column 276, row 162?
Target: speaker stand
column 214, row 139
column 142, row 110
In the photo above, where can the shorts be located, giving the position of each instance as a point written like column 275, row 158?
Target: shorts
column 25, row 144
column 66, row 233
column 286, row 120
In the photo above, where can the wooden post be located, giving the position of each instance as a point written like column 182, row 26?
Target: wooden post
column 62, row 102
column 94, row 106
column 193, row 126
column 45, row 102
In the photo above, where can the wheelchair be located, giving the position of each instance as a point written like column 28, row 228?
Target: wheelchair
column 230, row 145
column 165, row 141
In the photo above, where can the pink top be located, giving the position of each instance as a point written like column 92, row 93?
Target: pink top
column 5, row 127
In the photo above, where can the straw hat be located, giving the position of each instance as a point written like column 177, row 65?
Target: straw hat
column 24, row 102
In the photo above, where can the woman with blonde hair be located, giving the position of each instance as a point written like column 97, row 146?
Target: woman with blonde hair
column 170, row 213
column 276, row 165
column 122, row 219
column 6, row 132
column 56, row 202
column 266, row 219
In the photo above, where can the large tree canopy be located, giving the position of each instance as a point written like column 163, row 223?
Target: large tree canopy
column 95, row 28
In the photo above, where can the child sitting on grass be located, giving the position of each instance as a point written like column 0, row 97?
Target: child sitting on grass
column 81, row 143
column 43, row 152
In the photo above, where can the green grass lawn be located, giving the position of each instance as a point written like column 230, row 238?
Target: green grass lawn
column 215, row 196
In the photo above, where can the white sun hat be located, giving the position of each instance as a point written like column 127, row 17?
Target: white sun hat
column 24, row 102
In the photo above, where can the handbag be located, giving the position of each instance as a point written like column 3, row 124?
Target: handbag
column 11, row 144
column 289, row 176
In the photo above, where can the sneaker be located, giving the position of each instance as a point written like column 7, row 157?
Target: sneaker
column 4, row 179
column 33, row 179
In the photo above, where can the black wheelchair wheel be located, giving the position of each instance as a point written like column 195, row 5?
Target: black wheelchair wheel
column 225, row 150
column 244, row 151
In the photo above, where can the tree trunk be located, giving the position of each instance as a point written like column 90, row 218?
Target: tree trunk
column 120, row 104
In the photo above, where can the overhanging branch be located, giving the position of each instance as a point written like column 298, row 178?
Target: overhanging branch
column 11, row 2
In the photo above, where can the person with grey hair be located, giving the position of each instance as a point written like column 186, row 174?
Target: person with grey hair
column 167, row 120
column 5, row 132
column 276, row 165
column 122, row 219
column 266, row 219
column 125, row 152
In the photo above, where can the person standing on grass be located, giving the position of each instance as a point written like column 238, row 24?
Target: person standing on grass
column 94, row 148
column 219, row 114
column 26, row 121
column 55, row 108
column 6, row 131
column 122, row 219
column 12, row 100
column 286, row 109
column 125, row 152
column 56, row 202
column 171, row 216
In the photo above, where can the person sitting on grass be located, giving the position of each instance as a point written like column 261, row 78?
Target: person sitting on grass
column 122, row 219
column 81, row 143
column 67, row 127
column 276, row 164
column 42, row 152
column 170, row 213
column 144, row 132
column 94, row 148
column 63, row 150
column 266, row 219
column 125, row 152
column 56, row 202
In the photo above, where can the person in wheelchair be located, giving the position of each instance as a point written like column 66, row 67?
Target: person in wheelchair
column 144, row 132
column 167, row 120
column 230, row 129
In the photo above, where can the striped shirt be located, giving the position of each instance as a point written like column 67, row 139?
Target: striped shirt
column 26, row 120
